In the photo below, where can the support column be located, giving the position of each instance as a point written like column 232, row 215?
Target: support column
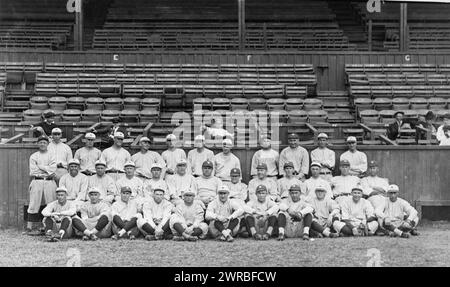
column 369, row 35
column 78, row 30
column 403, row 27
column 241, row 22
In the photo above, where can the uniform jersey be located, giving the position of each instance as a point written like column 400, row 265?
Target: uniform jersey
column 145, row 161
column 224, row 164
column 237, row 190
column 190, row 213
column 94, row 210
column 135, row 183
column 269, row 183
column 357, row 160
column 324, row 156
column 115, row 158
column 396, row 210
column 284, row 183
column 125, row 210
column 356, row 213
column 290, row 206
column 105, row 185
column 268, row 206
column 42, row 164
column 269, row 157
column 206, row 188
column 195, row 160
column 68, row 209
column 226, row 209
column 87, row 158
column 312, row 183
column 157, row 211
column 152, row 184
column 61, row 152
column 171, row 158
column 177, row 184
column 344, row 184
column 369, row 182
column 323, row 208
column 77, row 186
column 298, row 156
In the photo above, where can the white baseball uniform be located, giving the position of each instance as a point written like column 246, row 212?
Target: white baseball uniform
column 206, row 188
column 357, row 160
column 195, row 160
column 269, row 183
column 298, row 156
column 87, row 158
column 224, row 164
column 269, row 157
column 42, row 164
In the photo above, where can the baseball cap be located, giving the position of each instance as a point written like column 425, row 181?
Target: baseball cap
column 295, row 187
column 199, row 138
column 181, row 162
column 74, row 161
column 227, row 143
column 260, row 188
column 373, row 163
column 207, row 163
column 322, row 135
column 93, row 190
column 318, row 164
column 100, row 162
column 351, row 139
column 124, row 189
column 344, row 162
column 293, row 136
column 61, row 189
column 171, row 137
column 159, row 189
column 235, row 171
column 144, row 139
column 129, row 163
column 223, row 188
column 156, row 165
column 357, row 188
column 261, row 166
column 90, row 136
column 56, row 131
column 393, row 188
column 288, row 164
column 43, row 138
column 119, row 135
column 320, row 187
column 188, row 192
column 49, row 114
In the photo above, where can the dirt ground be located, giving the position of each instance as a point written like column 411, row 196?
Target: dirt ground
column 431, row 248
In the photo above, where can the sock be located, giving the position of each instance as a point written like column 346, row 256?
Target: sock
column 306, row 230
column 281, row 230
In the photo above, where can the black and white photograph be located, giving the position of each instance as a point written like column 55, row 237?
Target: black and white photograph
column 249, row 135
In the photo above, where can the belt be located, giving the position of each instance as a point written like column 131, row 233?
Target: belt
column 342, row 194
column 89, row 173
column 41, row 178
column 117, row 171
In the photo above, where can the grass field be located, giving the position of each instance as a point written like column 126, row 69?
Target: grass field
column 431, row 248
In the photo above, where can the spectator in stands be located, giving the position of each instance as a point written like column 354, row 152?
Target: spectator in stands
column 45, row 127
column 106, row 131
column 225, row 161
column 88, row 155
column 322, row 154
column 426, row 123
column 173, row 155
column 357, row 159
column 145, row 159
column 116, row 157
column 440, row 134
column 268, row 156
column 198, row 156
column 298, row 155
column 374, row 187
column 61, row 152
column 393, row 130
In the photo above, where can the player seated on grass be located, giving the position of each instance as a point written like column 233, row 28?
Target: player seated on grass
column 205, row 186
column 357, row 216
column 95, row 221
column 187, row 222
column 261, row 215
column 294, row 218
column 58, row 216
column 125, row 213
column 397, row 216
column 156, row 214
column 224, row 215
column 326, row 211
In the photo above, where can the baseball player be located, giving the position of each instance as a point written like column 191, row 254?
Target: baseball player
column 268, row 156
column 374, row 187
column 207, row 185
column 42, row 171
column 261, row 215
column 262, row 179
column 179, row 182
column 116, row 157
column 61, row 152
column 326, row 212
column 326, row 174
column 172, row 155
column 224, row 216
column 75, row 183
column 315, row 180
column 295, row 216
column 225, row 161
column 156, row 214
column 58, row 216
column 95, row 220
column 155, row 182
column 296, row 154
column 396, row 215
column 288, row 180
column 342, row 185
column 198, row 156
column 133, row 182
column 145, row 159
column 357, row 216
column 45, row 127
column 88, row 155
column 238, row 189
column 357, row 159
column 125, row 213
column 186, row 223
column 322, row 154
column 103, row 182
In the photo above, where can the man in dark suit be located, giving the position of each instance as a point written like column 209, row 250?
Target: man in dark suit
column 106, row 130
column 45, row 127
column 393, row 130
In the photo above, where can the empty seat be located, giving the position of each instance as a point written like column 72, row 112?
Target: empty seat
column 312, row 104
column 113, row 104
column 410, row 114
column 71, row 115
column 257, row 104
column 108, row 115
column 363, row 103
column 32, row 115
column 293, row 104
column 297, row 117
column 387, row 116
column 279, row 115
column 239, row 104
column 150, row 103
column 149, row 115
column 131, row 103
column 380, row 104
column 369, row 116
column 75, row 103
column 91, row 115
column 57, row 103
column 418, row 103
column 94, row 103
column 275, row 104
column 39, row 103
column 221, row 104
column 129, row 115
column 437, row 103
column 202, row 103
column 400, row 103
column 317, row 116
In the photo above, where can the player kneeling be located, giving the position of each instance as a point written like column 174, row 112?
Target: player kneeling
column 391, row 215
column 187, row 221
column 261, row 215
column 58, row 216
column 95, row 221
column 125, row 214
column 295, row 218
column 358, row 217
column 155, row 222
column 326, row 211
column 223, row 214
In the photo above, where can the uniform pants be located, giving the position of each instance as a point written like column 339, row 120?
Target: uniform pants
column 103, row 225
column 147, row 229
column 65, row 224
column 263, row 223
column 178, row 225
column 216, row 227
column 293, row 228
column 128, row 225
column 179, row 229
column 37, row 189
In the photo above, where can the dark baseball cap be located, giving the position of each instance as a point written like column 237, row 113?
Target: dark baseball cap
column 261, row 188
column 208, row 163
column 261, row 166
column 235, row 171
column 373, row 163
column 293, row 136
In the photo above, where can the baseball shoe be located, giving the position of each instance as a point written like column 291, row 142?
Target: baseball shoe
column 266, row 236
column 192, row 238
column 392, row 234
column 49, row 233
column 404, row 235
column 115, row 237
column 257, row 236
column 168, row 237
column 414, row 232
column 305, row 236
column 221, row 238
column 33, row 232
column 230, row 238
column 55, row 238
column 132, row 237
column 41, row 231
column 94, row 237
column 281, row 237
column 159, row 237
column 203, row 236
column 319, row 235
column 85, row 238
column 244, row 234
column 152, row 237
column 334, row 235
column 175, row 238
column 341, row 234
column 381, row 232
